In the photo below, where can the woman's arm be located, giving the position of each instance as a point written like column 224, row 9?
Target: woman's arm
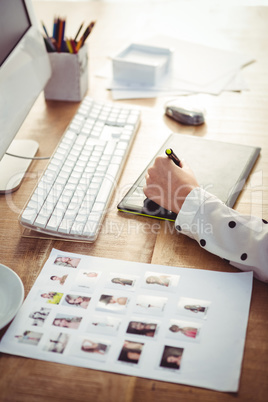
column 240, row 239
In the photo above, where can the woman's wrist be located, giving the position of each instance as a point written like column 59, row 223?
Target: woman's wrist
column 181, row 195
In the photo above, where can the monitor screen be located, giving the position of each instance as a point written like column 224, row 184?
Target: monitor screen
column 14, row 23
column 24, row 66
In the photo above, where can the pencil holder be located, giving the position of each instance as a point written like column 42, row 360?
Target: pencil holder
column 69, row 79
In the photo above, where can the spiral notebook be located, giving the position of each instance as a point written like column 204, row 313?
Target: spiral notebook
column 221, row 168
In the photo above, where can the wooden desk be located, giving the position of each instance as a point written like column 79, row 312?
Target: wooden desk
column 237, row 117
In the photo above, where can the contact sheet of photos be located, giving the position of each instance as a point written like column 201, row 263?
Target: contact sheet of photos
column 172, row 324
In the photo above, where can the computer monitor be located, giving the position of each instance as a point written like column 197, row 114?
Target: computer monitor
column 24, row 72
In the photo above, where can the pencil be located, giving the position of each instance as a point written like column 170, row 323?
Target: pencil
column 69, row 46
column 45, row 30
column 55, row 28
column 62, row 45
column 85, row 35
column 78, row 32
column 73, row 46
column 60, row 32
column 79, row 44
column 88, row 30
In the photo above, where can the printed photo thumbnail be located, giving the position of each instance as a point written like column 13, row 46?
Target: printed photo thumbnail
column 85, row 280
column 184, row 330
column 51, row 297
column 142, row 327
column 193, row 307
column 158, row 281
column 171, row 357
column 29, row 338
column 58, row 279
column 76, row 301
column 108, row 325
column 67, row 321
column 91, row 347
column 131, row 352
column 65, row 261
column 147, row 304
column 57, row 342
column 121, row 281
column 38, row 317
column 113, row 303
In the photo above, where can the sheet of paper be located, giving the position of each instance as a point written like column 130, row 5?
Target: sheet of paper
column 133, row 94
column 171, row 83
column 197, row 68
column 165, row 323
column 233, row 82
column 200, row 64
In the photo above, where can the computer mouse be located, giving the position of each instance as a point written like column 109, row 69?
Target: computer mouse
column 185, row 115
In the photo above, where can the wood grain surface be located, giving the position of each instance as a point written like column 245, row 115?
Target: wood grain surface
column 232, row 116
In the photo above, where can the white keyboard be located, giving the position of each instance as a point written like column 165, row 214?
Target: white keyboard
column 73, row 193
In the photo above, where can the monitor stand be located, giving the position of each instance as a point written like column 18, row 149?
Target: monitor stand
column 12, row 169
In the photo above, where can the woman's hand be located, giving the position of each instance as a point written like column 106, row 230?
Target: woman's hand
column 168, row 185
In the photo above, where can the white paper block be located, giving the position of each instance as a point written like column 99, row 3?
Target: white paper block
column 69, row 79
column 142, row 64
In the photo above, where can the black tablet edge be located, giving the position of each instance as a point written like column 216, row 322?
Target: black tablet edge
column 147, row 215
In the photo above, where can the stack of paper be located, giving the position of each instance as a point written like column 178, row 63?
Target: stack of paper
column 196, row 69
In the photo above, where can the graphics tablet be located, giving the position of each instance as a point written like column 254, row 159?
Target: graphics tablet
column 220, row 167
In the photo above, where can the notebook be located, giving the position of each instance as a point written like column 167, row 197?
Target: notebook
column 220, row 167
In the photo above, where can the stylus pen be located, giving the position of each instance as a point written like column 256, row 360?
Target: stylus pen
column 173, row 156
